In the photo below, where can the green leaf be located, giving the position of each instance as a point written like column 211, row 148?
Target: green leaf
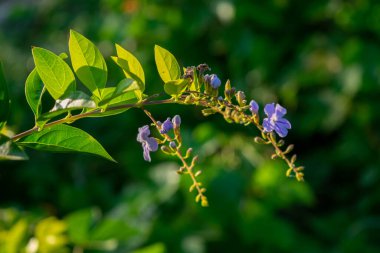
column 9, row 150
column 54, row 72
column 167, row 65
column 176, row 87
column 80, row 223
column 125, row 87
column 4, row 99
column 73, row 101
column 88, row 63
column 34, row 90
column 131, row 67
column 195, row 86
column 64, row 138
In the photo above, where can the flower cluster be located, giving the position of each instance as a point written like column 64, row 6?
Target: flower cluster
column 150, row 144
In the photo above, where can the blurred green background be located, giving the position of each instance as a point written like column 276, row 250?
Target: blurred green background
column 320, row 59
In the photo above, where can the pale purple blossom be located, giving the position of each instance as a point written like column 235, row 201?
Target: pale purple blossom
column 275, row 120
column 253, row 107
column 149, row 144
column 166, row 126
column 213, row 80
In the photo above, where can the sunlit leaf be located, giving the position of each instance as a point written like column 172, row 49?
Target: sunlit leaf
column 51, row 235
column 15, row 236
column 54, row 72
column 64, row 138
column 125, row 88
column 176, row 87
column 4, row 99
column 34, row 89
column 88, row 63
column 10, row 151
column 79, row 224
column 155, row 248
column 167, row 65
column 73, row 101
column 132, row 68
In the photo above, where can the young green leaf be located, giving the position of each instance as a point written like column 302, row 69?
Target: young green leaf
column 34, row 90
column 195, row 86
column 125, row 87
column 88, row 63
column 54, row 72
column 73, row 101
column 176, row 87
column 132, row 67
column 64, row 138
column 4, row 99
column 167, row 65
column 9, row 150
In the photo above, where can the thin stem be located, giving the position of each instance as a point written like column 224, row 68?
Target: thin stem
column 73, row 118
column 190, row 172
column 283, row 156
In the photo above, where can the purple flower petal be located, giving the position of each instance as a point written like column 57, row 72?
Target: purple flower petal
column 268, row 126
column 284, row 123
column 143, row 134
column 269, row 110
column 280, row 111
column 152, row 144
column 146, row 152
column 281, row 131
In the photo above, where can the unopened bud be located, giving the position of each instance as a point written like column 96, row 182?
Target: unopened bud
column 173, row 145
column 176, row 121
column 240, row 98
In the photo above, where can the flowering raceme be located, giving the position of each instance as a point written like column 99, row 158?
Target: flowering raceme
column 188, row 87
column 275, row 120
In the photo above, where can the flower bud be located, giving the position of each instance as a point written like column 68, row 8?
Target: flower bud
column 240, row 98
column 173, row 145
column 166, row 126
column 176, row 121
column 215, row 81
column 253, row 107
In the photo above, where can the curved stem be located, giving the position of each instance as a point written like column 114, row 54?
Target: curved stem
column 88, row 114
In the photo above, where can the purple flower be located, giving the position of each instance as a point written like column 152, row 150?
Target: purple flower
column 213, row 80
column 253, row 107
column 176, row 121
column 149, row 144
column 275, row 120
column 166, row 126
